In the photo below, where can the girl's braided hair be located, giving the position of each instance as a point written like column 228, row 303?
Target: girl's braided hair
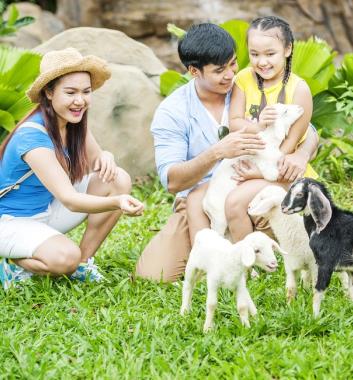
column 266, row 23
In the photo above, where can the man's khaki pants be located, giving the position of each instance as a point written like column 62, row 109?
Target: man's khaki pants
column 165, row 256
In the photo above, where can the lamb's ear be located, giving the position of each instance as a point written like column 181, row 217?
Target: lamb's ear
column 247, row 256
column 319, row 207
column 277, row 248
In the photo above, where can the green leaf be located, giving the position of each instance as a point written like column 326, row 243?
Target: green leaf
column 346, row 146
column 167, row 80
column 13, row 15
column 313, row 60
column 7, row 121
column 238, row 30
column 8, row 97
column 175, row 31
column 170, row 80
column 21, row 107
column 24, row 21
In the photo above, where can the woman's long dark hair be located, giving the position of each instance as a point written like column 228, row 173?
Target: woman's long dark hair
column 76, row 165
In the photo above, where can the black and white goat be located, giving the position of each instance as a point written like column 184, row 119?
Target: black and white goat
column 330, row 230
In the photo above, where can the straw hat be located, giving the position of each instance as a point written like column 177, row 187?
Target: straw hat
column 61, row 62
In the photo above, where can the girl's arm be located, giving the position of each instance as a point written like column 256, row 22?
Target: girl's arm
column 237, row 119
column 302, row 97
column 49, row 171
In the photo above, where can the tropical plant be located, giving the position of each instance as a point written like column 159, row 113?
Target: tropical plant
column 13, row 23
column 18, row 69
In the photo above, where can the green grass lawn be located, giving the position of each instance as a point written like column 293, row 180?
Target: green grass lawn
column 119, row 329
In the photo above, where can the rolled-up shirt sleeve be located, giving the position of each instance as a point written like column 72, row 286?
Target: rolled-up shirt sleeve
column 170, row 141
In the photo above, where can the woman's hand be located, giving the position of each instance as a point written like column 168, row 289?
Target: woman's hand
column 246, row 169
column 267, row 117
column 130, row 205
column 106, row 166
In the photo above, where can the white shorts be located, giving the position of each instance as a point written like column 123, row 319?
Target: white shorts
column 21, row 236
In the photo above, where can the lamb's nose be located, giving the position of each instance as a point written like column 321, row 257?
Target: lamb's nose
column 274, row 264
column 284, row 209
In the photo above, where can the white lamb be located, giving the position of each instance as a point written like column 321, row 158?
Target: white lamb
column 225, row 265
column 266, row 160
column 291, row 235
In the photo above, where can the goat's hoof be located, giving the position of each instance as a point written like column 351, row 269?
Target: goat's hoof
column 291, row 294
column 245, row 323
column 207, row 328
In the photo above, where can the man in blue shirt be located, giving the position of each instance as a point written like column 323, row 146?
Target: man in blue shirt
column 187, row 146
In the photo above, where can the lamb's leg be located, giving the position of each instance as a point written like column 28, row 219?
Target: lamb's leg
column 350, row 285
column 345, row 282
column 291, row 284
column 323, row 281
column 305, row 276
column 191, row 274
column 219, row 224
column 211, row 305
column 244, row 303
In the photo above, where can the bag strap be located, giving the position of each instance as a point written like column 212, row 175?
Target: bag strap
column 16, row 185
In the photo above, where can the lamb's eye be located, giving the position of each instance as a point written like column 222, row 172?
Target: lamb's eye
column 300, row 194
column 257, row 251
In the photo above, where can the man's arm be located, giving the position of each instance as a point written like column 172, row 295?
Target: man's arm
column 172, row 144
column 182, row 176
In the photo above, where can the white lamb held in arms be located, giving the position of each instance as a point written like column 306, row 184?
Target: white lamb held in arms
column 266, row 160
column 225, row 265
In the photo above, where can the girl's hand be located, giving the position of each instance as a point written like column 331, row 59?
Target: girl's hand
column 106, row 166
column 246, row 169
column 130, row 205
column 267, row 117
column 292, row 166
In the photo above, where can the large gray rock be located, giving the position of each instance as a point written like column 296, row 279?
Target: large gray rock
column 123, row 108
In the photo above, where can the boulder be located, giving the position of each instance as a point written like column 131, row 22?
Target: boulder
column 122, row 110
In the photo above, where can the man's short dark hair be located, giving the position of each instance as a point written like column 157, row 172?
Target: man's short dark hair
column 205, row 44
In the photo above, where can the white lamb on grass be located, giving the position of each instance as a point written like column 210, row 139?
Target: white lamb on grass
column 291, row 235
column 226, row 265
column 266, row 160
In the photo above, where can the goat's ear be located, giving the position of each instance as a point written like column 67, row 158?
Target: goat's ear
column 319, row 207
column 277, row 248
column 247, row 256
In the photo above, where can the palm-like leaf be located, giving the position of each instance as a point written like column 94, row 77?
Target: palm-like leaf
column 238, row 30
column 313, row 61
column 342, row 75
column 18, row 69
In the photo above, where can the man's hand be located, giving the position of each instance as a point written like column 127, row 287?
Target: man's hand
column 292, row 166
column 106, row 166
column 246, row 169
column 237, row 144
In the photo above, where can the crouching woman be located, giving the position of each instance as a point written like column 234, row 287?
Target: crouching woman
column 63, row 177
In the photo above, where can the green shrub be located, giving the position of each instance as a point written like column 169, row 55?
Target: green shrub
column 18, row 69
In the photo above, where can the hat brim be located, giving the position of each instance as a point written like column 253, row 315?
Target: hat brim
column 96, row 67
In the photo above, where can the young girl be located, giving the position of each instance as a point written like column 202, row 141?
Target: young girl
column 71, row 178
column 269, row 80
